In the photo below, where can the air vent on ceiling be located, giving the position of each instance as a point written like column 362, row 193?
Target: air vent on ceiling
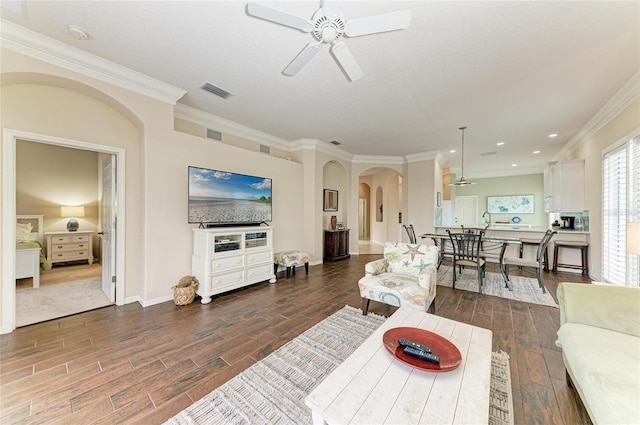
column 335, row 142
column 215, row 135
column 488, row 153
column 265, row 149
column 215, row 90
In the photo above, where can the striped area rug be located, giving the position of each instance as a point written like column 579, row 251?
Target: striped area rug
column 272, row 391
column 525, row 289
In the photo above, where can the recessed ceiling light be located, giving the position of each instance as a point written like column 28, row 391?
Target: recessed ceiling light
column 500, row 143
column 514, row 165
column 536, row 151
column 452, row 151
column 77, row 32
column 552, row 135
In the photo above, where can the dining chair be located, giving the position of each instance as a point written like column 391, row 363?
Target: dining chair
column 537, row 264
column 411, row 233
column 466, row 253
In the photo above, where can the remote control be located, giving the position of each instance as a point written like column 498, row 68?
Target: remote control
column 422, row 355
column 406, row 343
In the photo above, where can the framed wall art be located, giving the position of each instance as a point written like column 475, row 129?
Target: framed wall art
column 514, row 204
column 330, row 202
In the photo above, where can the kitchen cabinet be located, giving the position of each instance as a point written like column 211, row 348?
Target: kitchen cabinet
column 564, row 186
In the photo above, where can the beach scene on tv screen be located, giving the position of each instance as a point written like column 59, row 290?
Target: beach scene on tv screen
column 223, row 197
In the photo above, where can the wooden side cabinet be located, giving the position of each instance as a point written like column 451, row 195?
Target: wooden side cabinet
column 69, row 246
column 336, row 245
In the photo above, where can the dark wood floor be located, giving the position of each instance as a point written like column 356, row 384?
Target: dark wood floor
column 131, row 364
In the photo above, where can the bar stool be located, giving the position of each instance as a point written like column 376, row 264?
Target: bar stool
column 535, row 242
column 582, row 246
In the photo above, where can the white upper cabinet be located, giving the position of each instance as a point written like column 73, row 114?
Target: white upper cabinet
column 564, row 186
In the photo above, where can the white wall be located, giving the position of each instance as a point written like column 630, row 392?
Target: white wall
column 529, row 184
column 591, row 150
column 158, row 237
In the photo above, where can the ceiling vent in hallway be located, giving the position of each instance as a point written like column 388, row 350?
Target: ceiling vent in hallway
column 335, row 142
column 215, row 90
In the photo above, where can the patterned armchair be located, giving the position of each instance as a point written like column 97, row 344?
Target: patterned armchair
column 405, row 276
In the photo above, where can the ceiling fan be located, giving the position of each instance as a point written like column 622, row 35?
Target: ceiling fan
column 327, row 27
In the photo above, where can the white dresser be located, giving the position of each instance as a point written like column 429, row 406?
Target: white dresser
column 231, row 257
column 69, row 246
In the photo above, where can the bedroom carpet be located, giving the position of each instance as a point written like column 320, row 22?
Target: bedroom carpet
column 525, row 289
column 35, row 305
column 272, row 391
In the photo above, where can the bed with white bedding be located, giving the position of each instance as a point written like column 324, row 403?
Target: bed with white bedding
column 29, row 241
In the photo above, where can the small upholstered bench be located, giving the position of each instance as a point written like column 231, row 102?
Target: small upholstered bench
column 289, row 260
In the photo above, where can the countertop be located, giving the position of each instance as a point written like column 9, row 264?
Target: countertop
column 518, row 228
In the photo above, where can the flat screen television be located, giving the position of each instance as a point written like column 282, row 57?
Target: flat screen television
column 219, row 198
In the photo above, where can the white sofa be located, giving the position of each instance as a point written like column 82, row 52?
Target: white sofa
column 600, row 340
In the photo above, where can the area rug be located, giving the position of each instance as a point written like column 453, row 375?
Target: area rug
column 525, row 289
column 34, row 305
column 273, row 390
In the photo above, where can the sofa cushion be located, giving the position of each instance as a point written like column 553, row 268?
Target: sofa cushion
column 605, row 366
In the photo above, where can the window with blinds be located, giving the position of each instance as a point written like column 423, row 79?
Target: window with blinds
column 620, row 204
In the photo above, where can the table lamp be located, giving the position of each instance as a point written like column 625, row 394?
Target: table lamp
column 72, row 212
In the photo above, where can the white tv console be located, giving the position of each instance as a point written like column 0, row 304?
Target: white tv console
column 228, row 258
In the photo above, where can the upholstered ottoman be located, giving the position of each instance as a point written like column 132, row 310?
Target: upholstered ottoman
column 291, row 259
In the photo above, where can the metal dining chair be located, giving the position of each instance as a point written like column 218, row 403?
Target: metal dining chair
column 411, row 233
column 466, row 253
column 537, row 264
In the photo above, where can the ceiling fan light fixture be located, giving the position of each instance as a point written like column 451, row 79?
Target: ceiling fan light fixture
column 461, row 182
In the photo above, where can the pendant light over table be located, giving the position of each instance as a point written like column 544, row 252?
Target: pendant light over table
column 461, row 181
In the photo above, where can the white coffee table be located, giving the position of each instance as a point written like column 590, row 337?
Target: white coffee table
column 372, row 387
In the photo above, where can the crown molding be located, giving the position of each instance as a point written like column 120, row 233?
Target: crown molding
column 423, row 156
column 501, row 173
column 378, row 159
column 224, row 125
column 46, row 49
column 324, row 147
column 629, row 93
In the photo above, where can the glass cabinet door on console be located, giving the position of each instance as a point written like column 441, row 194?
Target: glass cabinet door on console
column 229, row 258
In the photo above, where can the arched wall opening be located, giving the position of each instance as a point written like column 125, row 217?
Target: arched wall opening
column 382, row 221
column 57, row 111
column 364, row 213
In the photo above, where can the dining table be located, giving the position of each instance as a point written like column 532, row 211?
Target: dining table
column 492, row 247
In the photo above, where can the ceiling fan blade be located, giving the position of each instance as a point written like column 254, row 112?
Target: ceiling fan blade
column 346, row 61
column 384, row 22
column 279, row 17
column 331, row 8
column 303, row 58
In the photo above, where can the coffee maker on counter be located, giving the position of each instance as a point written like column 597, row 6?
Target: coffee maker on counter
column 568, row 222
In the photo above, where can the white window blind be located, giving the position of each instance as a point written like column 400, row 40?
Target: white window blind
column 620, row 204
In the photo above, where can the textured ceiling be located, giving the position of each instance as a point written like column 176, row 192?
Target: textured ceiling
column 510, row 71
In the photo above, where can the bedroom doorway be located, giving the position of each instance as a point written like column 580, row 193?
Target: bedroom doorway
column 73, row 278
column 115, row 286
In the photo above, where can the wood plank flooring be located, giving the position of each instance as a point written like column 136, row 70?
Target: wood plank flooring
column 130, row 364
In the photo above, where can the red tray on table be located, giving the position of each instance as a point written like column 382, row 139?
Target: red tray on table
column 450, row 357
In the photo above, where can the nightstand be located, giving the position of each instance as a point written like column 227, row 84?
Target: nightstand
column 69, row 246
